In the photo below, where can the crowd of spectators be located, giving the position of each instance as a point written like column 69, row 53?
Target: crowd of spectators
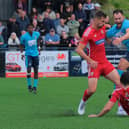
column 60, row 23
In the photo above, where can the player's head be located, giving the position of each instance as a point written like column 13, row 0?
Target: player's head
column 99, row 19
column 125, row 79
column 118, row 17
column 30, row 28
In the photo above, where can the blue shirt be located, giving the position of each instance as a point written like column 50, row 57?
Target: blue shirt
column 119, row 32
column 30, row 43
column 54, row 38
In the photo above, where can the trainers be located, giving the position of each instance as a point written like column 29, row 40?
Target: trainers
column 30, row 88
column 81, row 108
column 121, row 111
column 34, row 90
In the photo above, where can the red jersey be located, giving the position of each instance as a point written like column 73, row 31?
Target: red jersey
column 94, row 40
column 122, row 95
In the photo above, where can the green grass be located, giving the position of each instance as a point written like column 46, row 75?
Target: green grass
column 55, row 105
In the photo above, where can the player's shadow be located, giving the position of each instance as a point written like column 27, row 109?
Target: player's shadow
column 67, row 113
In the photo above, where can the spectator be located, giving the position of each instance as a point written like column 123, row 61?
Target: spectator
column 64, row 40
column 52, row 39
column 97, row 6
column 34, row 14
column 3, row 31
column 89, row 9
column 35, row 25
column 1, row 41
column 23, row 21
column 107, row 24
column 12, row 26
column 17, row 13
column 62, row 27
column 21, row 4
column 73, row 26
column 50, row 12
column 42, row 29
column 57, row 20
column 75, row 40
column 81, row 18
column 48, row 23
column 13, row 40
column 67, row 3
column 67, row 14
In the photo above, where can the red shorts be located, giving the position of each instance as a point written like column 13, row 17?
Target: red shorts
column 102, row 69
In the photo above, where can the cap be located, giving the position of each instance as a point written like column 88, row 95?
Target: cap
column 97, row 5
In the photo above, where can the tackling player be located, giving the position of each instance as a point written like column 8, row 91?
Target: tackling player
column 119, row 33
column 30, row 41
column 94, row 39
column 121, row 95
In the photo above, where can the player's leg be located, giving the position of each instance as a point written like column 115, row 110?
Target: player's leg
column 92, row 85
column 36, row 66
column 28, row 62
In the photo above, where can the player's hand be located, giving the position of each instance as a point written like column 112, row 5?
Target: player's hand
column 93, row 115
column 93, row 64
column 116, row 41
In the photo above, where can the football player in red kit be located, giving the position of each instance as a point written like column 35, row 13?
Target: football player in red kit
column 94, row 38
column 121, row 95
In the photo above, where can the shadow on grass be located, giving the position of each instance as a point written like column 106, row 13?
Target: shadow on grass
column 66, row 113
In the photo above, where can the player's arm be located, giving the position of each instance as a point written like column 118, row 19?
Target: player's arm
column 117, row 41
column 105, row 110
column 22, row 40
column 81, row 52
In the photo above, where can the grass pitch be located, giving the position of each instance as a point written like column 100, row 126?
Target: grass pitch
column 55, row 105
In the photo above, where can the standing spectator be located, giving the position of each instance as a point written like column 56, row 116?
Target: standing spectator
column 62, row 27
column 12, row 26
column 89, row 9
column 67, row 13
column 73, row 25
column 21, row 4
column 34, row 14
column 48, row 23
column 23, row 21
column 41, row 26
column 81, row 18
column 17, row 13
column 52, row 39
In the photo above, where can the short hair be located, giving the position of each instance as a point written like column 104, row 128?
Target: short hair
column 99, row 14
column 125, row 78
column 118, row 11
column 30, row 25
